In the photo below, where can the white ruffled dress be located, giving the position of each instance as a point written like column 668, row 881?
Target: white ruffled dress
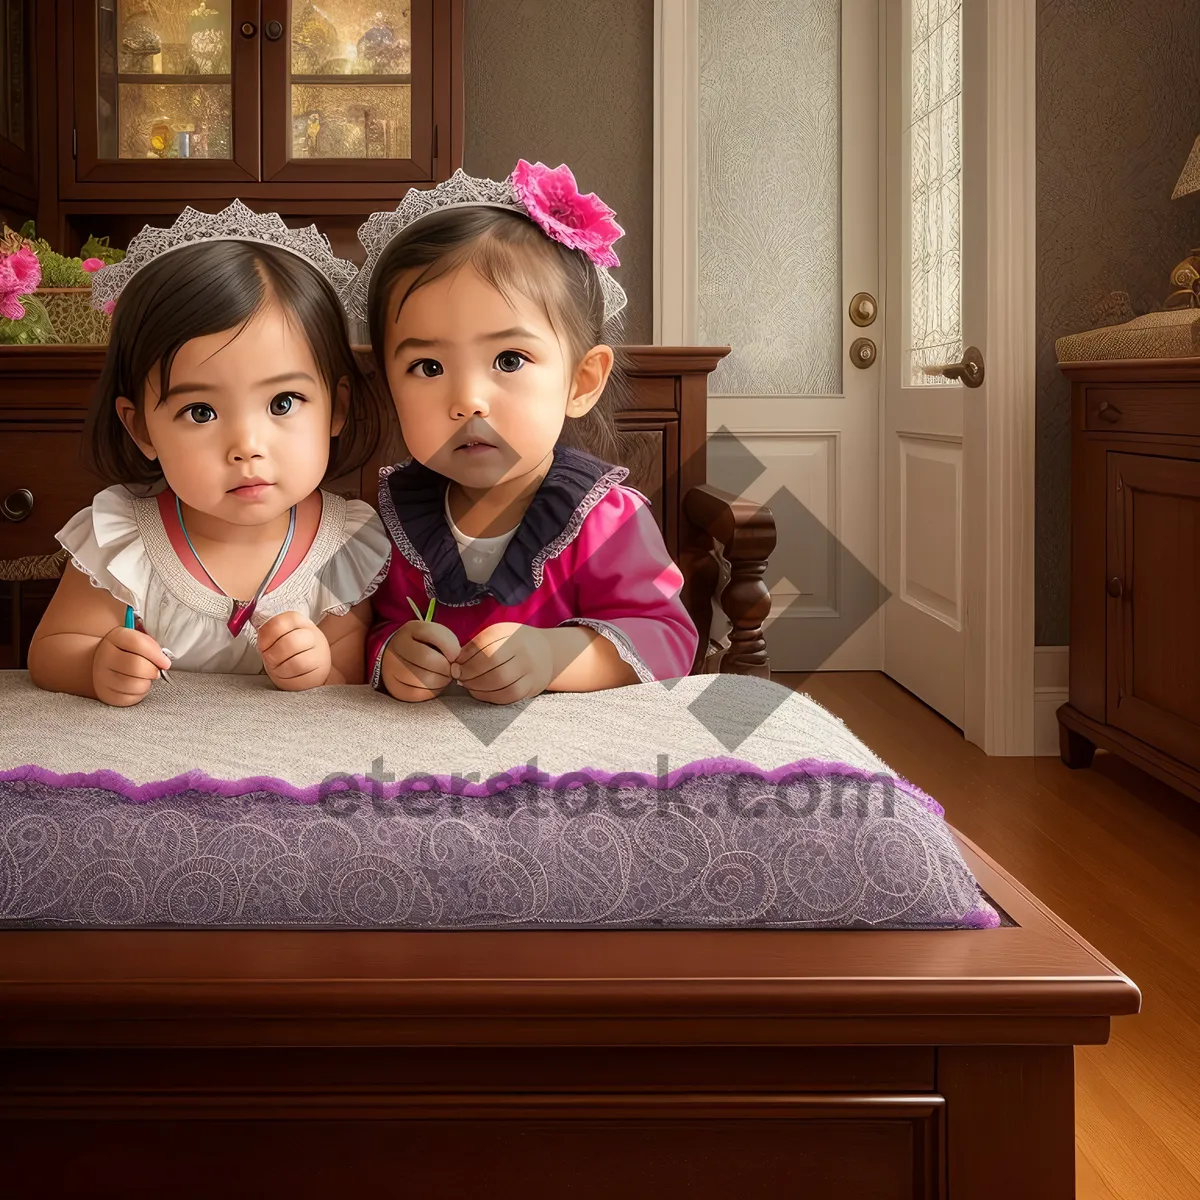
column 121, row 544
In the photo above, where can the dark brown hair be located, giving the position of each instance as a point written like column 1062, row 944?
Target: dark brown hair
column 514, row 255
column 209, row 288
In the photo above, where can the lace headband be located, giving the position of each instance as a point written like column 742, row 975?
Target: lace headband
column 549, row 198
column 237, row 223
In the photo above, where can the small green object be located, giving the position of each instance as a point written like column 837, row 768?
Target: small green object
column 428, row 614
column 128, row 616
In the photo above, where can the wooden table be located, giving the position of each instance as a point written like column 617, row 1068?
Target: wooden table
column 584, row 1064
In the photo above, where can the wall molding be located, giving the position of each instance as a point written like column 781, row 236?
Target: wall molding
column 676, row 170
column 1007, row 717
column 1050, row 691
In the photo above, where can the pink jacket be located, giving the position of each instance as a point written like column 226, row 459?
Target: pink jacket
column 588, row 552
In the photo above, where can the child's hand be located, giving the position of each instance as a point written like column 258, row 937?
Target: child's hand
column 506, row 662
column 294, row 651
column 416, row 663
column 126, row 662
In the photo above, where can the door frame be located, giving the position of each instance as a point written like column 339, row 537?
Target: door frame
column 1000, row 612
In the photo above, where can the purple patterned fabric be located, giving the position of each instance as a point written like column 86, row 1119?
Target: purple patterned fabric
column 717, row 843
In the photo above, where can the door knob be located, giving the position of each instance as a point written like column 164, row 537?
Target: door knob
column 17, row 505
column 862, row 352
column 1115, row 588
column 969, row 368
column 273, row 30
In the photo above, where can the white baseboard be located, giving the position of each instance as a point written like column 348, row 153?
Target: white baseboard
column 1050, row 677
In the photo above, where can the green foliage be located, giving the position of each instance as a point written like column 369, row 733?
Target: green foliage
column 61, row 272
column 99, row 248
column 33, row 329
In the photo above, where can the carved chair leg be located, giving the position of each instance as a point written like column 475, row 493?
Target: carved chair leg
column 747, row 602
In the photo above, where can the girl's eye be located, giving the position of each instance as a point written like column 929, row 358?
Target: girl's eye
column 283, row 404
column 427, row 368
column 200, row 414
column 509, row 361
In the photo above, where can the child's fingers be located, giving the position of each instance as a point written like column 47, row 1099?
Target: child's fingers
column 491, row 673
column 279, row 626
column 141, row 645
column 419, row 656
column 408, row 683
column 509, row 692
column 292, row 643
column 480, row 660
column 438, row 636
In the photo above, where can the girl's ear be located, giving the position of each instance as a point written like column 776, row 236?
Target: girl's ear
column 134, row 426
column 590, row 377
column 341, row 406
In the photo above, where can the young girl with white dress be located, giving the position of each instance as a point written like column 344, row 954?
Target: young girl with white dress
column 229, row 394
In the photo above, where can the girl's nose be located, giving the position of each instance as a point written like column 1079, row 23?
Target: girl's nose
column 470, row 402
column 246, row 443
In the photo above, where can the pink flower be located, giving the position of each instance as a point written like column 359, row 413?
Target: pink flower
column 109, row 305
column 92, row 264
column 20, row 273
column 552, row 200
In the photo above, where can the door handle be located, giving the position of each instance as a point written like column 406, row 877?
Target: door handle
column 969, row 368
column 273, row 30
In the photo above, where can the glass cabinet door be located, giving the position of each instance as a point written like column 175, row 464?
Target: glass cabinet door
column 167, row 90
column 347, row 90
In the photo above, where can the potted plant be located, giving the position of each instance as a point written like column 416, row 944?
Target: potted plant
column 64, row 292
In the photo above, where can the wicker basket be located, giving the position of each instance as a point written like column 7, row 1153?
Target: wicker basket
column 74, row 319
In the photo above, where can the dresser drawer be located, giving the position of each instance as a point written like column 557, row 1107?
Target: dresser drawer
column 45, row 464
column 1166, row 410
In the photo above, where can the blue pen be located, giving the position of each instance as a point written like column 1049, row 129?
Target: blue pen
column 130, row 623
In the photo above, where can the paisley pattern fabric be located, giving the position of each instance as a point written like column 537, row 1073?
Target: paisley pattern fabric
column 94, row 839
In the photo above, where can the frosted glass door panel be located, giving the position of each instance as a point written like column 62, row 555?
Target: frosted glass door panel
column 932, row 153
column 770, row 277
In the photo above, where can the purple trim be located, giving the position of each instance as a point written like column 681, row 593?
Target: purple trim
column 314, row 793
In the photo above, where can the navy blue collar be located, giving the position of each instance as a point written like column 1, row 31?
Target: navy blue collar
column 412, row 504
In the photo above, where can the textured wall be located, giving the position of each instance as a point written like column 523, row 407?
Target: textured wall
column 1117, row 110
column 571, row 81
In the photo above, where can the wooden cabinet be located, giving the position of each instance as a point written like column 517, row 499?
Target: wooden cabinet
column 325, row 110
column 1135, row 568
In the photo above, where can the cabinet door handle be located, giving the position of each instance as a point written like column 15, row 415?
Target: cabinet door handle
column 17, row 505
column 1108, row 412
column 273, row 30
column 1115, row 588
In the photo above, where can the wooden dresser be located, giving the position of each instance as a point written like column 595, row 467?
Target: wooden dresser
column 1135, row 567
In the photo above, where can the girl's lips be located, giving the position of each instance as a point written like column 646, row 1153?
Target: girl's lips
column 251, row 491
column 476, row 448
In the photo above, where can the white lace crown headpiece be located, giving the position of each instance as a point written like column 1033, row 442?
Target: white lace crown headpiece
column 549, row 198
column 237, row 223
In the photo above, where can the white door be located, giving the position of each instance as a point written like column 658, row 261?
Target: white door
column 935, row 314
column 787, row 235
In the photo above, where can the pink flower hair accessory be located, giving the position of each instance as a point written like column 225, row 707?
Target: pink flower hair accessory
column 553, row 201
column 20, row 274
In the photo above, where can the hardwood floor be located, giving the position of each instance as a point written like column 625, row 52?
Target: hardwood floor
column 1116, row 855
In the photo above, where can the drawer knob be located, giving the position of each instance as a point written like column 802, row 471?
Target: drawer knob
column 17, row 505
column 1115, row 588
column 1108, row 412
